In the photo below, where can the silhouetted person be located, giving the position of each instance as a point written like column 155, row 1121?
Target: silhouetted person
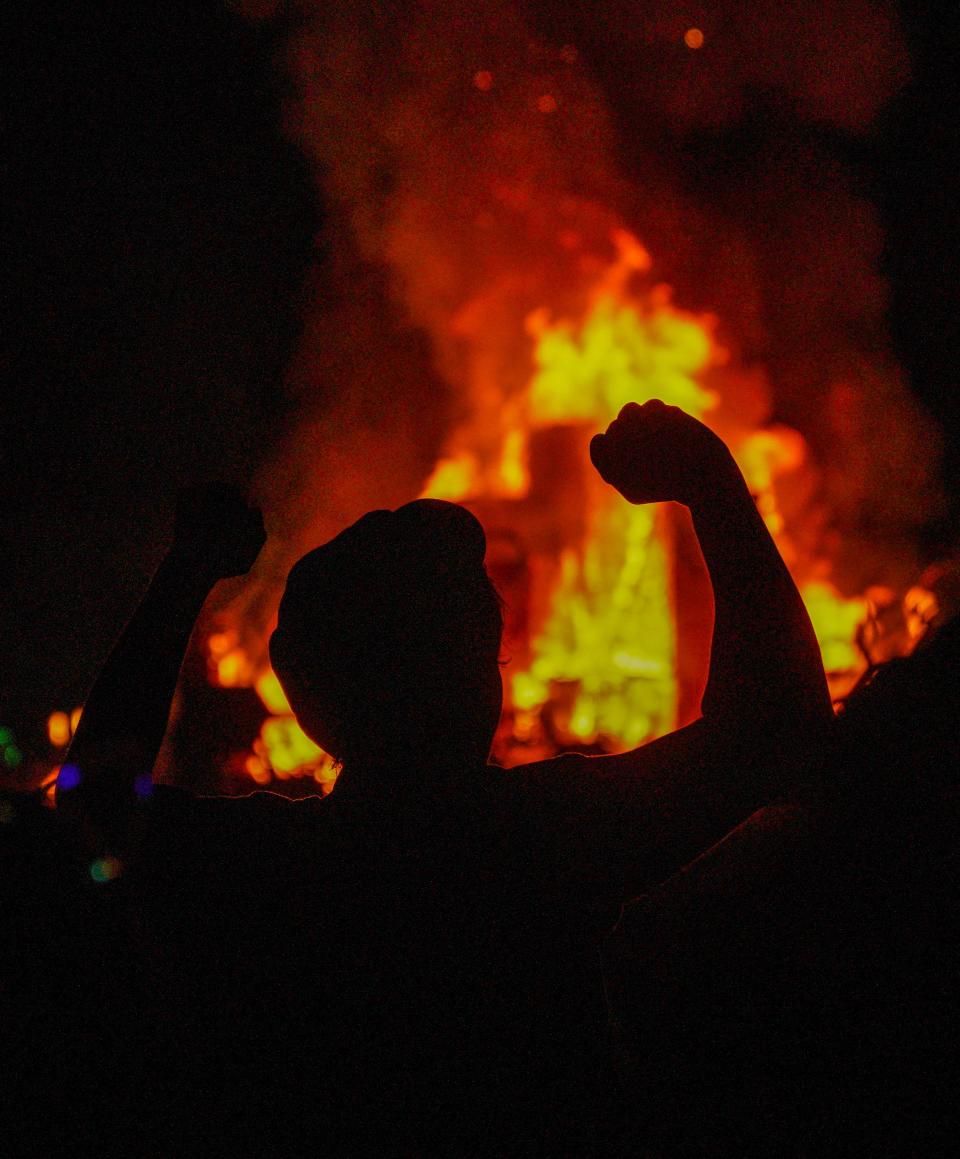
column 794, row 990
column 410, row 965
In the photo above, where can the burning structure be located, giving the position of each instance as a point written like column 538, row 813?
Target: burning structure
column 535, row 216
column 469, row 170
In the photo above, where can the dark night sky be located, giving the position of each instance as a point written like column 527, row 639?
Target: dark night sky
column 159, row 229
column 917, row 183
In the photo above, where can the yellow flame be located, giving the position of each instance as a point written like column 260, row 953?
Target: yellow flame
column 836, row 621
column 513, row 470
column 283, row 749
column 762, row 457
column 452, row 479
column 622, row 353
column 609, row 637
column 269, row 690
column 288, row 747
column 228, row 661
column 459, row 477
column 605, row 658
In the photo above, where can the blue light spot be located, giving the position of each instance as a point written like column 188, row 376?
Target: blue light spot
column 143, row 785
column 68, row 778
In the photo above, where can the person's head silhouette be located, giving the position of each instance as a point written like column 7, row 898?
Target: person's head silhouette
column 388, row 640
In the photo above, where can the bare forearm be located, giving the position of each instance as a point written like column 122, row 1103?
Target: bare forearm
column 216, row 535
column 125, row 715
column 764, row 655
column 764, row 650
column 766, row 706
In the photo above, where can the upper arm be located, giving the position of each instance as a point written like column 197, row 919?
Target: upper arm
column 631, row 820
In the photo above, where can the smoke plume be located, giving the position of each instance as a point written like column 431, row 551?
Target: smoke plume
column 474, row 161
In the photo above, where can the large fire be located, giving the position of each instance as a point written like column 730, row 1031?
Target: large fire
column 472, row 162
column 598, row 654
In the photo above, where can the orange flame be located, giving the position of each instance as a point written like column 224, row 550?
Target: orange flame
column 599, row 665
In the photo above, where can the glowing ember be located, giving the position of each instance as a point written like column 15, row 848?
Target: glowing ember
column 61, row 726
column 228, row 661
column 58, row 728
column 920, row 608
column 282, row 750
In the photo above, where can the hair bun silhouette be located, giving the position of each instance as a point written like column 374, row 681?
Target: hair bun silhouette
column 442, row 530
column 400, row 600
column 386, row 553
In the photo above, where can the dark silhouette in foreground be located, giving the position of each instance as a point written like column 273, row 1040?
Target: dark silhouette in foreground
column 794, row 990
column 410, row 966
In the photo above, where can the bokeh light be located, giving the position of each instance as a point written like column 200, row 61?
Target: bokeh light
column 143, row 785
column 68, row 778
column 58, row 728
column 105, row 869
column 12, row 756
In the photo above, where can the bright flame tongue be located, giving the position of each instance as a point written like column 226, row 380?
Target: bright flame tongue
column 609, row 638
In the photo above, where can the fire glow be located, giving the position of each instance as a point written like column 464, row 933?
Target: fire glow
column 595, row 663
column 473, row 163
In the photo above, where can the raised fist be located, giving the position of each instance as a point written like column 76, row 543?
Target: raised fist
column 655, row 453
column 217, row 530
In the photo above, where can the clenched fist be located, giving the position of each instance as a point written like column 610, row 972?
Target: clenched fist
column 655, row 453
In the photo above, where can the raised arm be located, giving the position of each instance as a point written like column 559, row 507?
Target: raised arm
column 764, row 661
column 766, row 705
column 125, row 716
